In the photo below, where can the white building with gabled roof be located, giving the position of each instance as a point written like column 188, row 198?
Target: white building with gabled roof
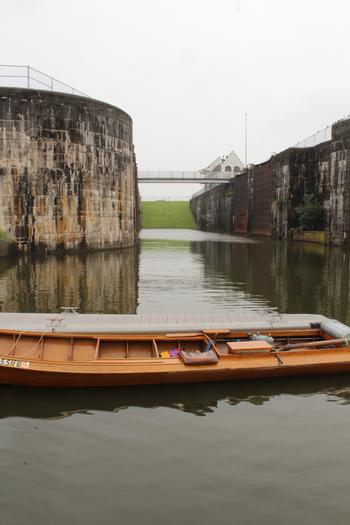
column 229, row 163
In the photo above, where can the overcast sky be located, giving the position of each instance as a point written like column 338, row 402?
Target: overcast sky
column 187, row 70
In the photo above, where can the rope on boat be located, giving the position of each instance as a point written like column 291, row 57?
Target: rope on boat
column 33, row 347
column 278, row 357
column 12, row 349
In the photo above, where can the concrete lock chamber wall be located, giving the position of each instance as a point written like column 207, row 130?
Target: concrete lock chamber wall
column 68, row 176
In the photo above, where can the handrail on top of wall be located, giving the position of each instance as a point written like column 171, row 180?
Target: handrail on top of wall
column 11, row 71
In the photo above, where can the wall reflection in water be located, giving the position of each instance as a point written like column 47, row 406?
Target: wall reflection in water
column 187, row 276
column 102, row 282
column 288, row 277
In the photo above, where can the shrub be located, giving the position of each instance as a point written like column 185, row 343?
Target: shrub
column 310, row 216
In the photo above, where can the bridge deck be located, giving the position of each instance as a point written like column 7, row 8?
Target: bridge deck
column 192, row 181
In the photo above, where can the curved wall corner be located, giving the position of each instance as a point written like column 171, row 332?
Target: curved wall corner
column 68, row 176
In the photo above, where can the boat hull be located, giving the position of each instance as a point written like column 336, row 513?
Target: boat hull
column 55, row 378
column 57, row 356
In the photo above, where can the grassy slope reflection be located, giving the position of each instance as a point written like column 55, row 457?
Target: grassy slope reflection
column 195, row 277
column 95, row 282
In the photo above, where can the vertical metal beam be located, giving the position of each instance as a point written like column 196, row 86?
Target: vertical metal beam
column 245, row 139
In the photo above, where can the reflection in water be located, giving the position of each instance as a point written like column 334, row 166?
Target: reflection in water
column 103, row 282
column 202, row 273
column 199, row 399
column 290, row 278
column 192, row 235
column 262, row 455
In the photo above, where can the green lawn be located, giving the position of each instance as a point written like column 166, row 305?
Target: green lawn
column 5, row 236
column 167, row 214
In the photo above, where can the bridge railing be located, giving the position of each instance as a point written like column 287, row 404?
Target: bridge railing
column 184, row 175
column 28, row 77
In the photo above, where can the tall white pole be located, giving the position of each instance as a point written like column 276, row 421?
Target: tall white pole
column 245, row 139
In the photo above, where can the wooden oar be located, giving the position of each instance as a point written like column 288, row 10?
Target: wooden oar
column 196, row 334
column 316, row 344
column 185, row 334
column 217, row 332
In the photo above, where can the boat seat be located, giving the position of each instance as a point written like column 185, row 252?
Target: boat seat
column 239, row 347
column 198, row 358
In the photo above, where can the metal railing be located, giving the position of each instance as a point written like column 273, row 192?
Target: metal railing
column 317, row 138
column 322, row 135
column 196, row 176
column 199, row 192
column 204, row 190
column 29, row 77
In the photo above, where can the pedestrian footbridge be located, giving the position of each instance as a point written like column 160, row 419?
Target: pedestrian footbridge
column 201, row 177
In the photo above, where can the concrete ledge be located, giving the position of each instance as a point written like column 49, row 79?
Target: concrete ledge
column 320, row 237
column 6, row 248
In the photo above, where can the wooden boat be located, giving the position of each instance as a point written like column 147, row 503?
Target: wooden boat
column 82, row 350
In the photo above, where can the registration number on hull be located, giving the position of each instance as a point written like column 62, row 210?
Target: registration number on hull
column 14, row 363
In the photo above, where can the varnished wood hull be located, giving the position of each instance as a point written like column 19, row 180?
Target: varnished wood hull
column 51, row 376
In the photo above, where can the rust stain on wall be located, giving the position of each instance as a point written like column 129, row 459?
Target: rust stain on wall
column 241, row 202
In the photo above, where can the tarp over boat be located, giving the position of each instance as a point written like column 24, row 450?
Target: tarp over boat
column 156, row 323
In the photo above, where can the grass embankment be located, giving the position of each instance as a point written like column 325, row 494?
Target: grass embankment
column 167, row 215
column 5, row 236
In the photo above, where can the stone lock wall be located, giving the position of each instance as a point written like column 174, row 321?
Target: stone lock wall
column 295, row 177
column 266, row 196
column 213, row 209
column 68, row 176
column 339, row 175
column 261, row 199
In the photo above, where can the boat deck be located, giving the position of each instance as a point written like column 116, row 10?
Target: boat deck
column 155, row 323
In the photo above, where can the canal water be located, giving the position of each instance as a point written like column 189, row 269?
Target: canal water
column 266, row 452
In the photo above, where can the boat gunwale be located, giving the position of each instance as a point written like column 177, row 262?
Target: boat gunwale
column 129, row 361
column 176, row 361
column 163, row 335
